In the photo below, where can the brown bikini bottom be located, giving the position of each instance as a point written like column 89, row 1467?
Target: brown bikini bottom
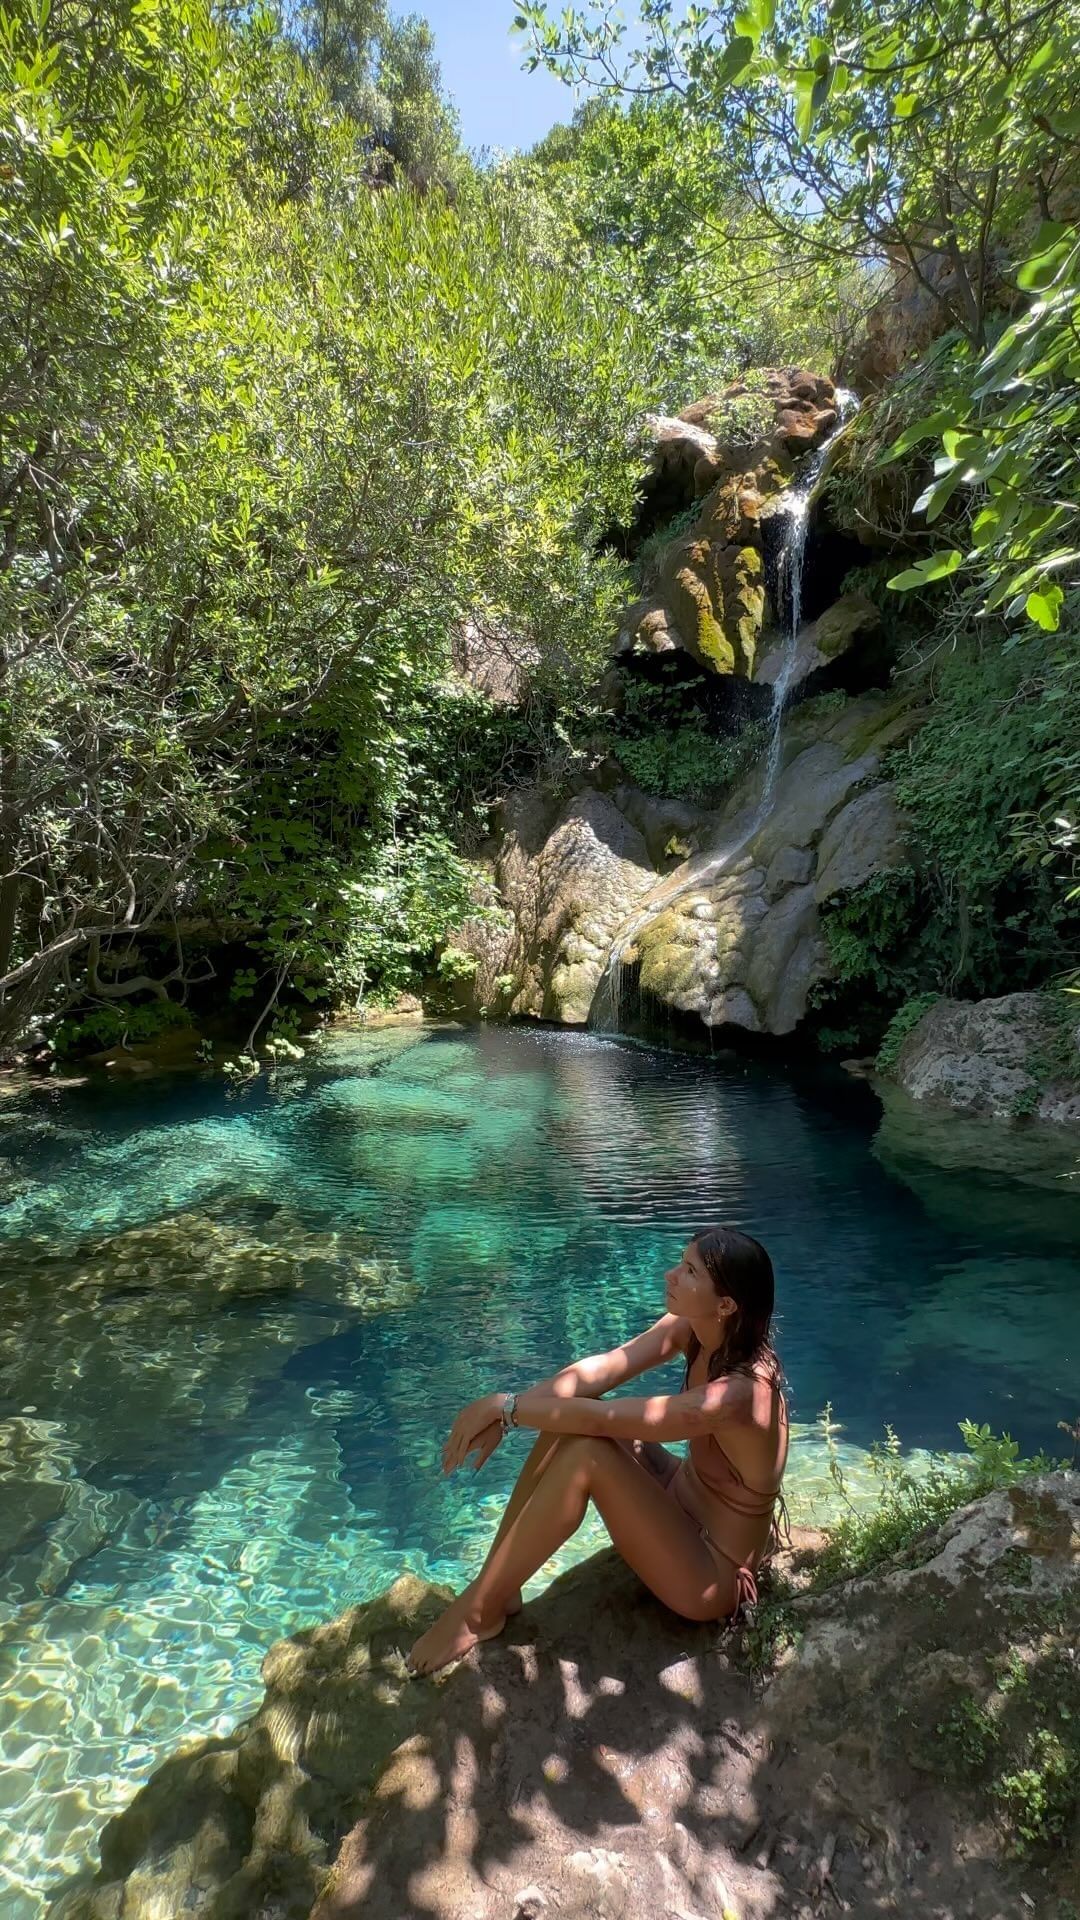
column 746, row 1592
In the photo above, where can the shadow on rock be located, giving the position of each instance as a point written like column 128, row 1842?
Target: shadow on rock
column 606, row 1759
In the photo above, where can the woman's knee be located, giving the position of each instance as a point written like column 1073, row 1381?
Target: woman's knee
column 588, row 1450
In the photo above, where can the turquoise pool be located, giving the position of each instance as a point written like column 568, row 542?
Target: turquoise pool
column 237, row 1326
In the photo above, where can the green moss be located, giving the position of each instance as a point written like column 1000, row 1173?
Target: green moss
column 712, row 642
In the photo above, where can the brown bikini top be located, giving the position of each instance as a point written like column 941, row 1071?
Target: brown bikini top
column 730, row 1487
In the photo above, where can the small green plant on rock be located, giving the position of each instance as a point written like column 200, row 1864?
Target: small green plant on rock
column 903, row 1022
column 740, row 420
column 968, row 1738
column 651, row 552
column 1040, row 1799
column 909, row 1504
column 668, row 747
column 455, row 964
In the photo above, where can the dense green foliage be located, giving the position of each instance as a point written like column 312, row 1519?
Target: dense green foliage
column 292, row 396
column 269, row 436
column 382, row 72
column 1009, row 426
column 668, row 747
column 910, row 1501
column 988, row 908
column 915, row 133
column 648, row 200
column 942, row 146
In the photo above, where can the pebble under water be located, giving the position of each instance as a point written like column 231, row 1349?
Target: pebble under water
column 237, row 1326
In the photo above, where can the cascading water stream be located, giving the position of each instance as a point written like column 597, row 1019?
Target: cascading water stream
column 606, row 1010
column 794, row 516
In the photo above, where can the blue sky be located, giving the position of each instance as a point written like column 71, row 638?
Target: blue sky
column 481, row 68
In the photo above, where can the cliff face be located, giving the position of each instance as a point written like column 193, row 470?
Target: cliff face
column 724, row 464
column 715, row 907
column 732, row 932
column 915, row 1751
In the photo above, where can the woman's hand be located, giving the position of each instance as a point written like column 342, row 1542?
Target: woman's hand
column 472, row 1431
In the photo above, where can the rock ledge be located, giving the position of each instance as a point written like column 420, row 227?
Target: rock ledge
column 606, row 1759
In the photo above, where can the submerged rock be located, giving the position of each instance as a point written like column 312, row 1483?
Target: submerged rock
column 607, row 1758
column 171, row 1329
column 1009, row 1058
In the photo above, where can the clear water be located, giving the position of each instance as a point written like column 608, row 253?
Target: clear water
column 236, row 1329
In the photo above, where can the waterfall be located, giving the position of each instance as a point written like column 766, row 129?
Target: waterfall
column 609, row 1000
column 794, row 517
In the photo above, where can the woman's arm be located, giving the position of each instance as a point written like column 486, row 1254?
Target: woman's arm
column 583, row 1380
column 663, row 1416
column 599, row 1372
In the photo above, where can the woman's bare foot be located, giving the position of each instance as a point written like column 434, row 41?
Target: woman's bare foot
column 514, row 1604
column 455, row 1633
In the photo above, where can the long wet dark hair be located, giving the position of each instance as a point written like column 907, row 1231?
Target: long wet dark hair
column 740, row 1268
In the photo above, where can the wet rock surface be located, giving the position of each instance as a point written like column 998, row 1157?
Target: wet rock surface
column 569, row 887
column 735, row 452
column 819, row 642
column 605, row 1758
column 732, row 933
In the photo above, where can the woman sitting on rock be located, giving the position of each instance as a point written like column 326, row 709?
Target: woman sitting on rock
column 695, row 1530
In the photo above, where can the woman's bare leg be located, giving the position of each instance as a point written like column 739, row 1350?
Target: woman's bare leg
column 653, row 1457
column 523, row 1486
column 649, row 1529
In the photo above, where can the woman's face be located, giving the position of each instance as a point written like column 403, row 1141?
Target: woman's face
column 690, row 1289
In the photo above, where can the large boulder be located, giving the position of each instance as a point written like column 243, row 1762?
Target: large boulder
column 1012, row 1058
column 735, row 452
column 917, row 1751
column 836, row 631
column 569, row 881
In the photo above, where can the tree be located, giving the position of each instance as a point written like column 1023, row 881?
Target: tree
column 381, row 70
column 264, row 447
column 917, row 133
column 648, row 195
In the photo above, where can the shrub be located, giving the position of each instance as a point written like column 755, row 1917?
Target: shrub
column 119, row 1025
column 909, row 1503
column 651, row 552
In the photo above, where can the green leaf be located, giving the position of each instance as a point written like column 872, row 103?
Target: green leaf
column 735, row 58
column 935, row 498
column 1041, row 59
column 937, row 567
column 995, row 520
column 805, row 83
column 930, row 427
column 1066, row 123
column 1054, row 242
column 1044, row 607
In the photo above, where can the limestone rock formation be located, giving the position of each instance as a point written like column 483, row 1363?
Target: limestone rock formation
column 1010, row 1058
column 129, row 1310
column 569, row 882
column 821, row 640
column 734, row 451
column 733, row 935
column 605, row 1758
